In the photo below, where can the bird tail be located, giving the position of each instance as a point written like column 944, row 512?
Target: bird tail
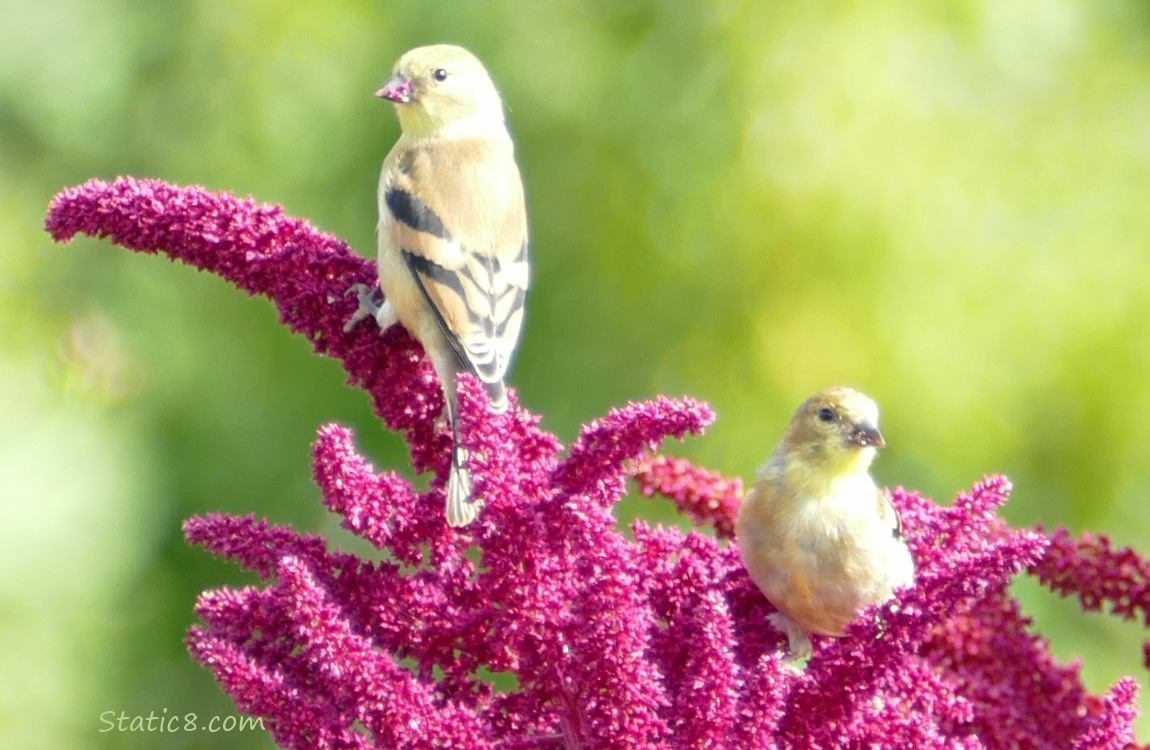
column 462, row 507
column 498, row 395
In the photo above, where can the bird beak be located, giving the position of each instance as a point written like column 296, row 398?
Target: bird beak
column 865, row 435
column 397, row 89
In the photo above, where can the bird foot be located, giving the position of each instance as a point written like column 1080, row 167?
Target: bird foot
column 799, row 647
column 371, row 303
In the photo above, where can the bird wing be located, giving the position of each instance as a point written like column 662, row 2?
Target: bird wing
column 889, row 513
column 460, row 223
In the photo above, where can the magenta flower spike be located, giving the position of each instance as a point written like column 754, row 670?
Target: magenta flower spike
column 542, row 624
column 1098, row 574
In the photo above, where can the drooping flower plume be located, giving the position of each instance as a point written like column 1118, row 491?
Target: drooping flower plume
column 709, row 498
column 543, row 624
column 1091, row 568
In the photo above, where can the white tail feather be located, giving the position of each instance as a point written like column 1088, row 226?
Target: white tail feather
column 462, row 508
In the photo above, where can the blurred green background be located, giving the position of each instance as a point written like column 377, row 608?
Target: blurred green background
column 943, row 204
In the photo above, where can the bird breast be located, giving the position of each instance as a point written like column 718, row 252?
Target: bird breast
column 820, row 559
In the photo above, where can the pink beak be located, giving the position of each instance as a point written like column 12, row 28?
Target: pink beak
column 397, row 89
column 865, row 435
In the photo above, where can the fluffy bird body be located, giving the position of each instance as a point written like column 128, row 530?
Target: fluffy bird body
column 817, row 535
column 453, row 264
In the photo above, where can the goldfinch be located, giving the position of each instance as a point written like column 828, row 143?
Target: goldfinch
column 816, row 534
column 452, row 233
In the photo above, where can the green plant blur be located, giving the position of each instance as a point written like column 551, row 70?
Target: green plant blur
column 943, row 204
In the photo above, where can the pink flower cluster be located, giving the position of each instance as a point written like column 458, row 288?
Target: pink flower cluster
column 543, row 624
column 1098, row 574
column 709, row 498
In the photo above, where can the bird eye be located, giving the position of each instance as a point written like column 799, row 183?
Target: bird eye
column 440, row 74
column 827, row 414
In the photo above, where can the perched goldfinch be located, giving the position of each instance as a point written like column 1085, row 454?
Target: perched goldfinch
column 452, row 233
column 818, row 537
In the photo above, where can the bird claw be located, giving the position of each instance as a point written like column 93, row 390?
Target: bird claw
column 371, row 301
column 799, row 647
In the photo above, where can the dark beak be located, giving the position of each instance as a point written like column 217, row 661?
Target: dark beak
column 397, row 89
column 865, row 435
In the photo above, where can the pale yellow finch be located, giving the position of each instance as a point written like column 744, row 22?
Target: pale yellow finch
column 452, row 233
column 818, row 537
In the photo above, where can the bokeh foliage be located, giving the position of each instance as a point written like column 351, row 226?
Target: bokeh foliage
column 943, row 204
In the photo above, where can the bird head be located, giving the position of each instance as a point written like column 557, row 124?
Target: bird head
column 837, row 428
column 441, row 87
